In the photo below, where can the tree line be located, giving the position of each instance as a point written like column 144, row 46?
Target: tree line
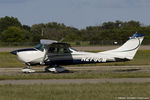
column 11, row 30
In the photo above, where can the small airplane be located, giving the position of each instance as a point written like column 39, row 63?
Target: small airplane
column 53, row 54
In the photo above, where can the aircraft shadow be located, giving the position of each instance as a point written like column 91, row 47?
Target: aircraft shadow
column 67, row 71
column 127, row 70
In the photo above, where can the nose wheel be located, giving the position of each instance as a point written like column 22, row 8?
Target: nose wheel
column 55, row 69
column 27, row 70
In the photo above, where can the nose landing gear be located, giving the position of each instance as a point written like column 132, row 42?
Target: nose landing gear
column 27, row 70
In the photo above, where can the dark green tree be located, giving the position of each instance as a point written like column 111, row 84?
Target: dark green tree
column 15, row 34
column 52, row 30
column 7, row 21
column 26, row 27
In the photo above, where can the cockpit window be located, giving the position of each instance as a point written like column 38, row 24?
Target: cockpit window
column 39, row 47
column 57, row 50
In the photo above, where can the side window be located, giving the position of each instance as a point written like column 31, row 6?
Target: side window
column 57, row 50
column 52, row 50
column 63, row 50
column 66, row 50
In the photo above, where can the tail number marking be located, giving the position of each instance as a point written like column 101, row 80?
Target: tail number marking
column 92, row 59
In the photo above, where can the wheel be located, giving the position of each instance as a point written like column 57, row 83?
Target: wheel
column 55, row 69
column 27, row 70
column 47, row 69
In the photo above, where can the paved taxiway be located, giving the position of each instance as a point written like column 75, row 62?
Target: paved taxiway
column 140, row 68
column 74, row 81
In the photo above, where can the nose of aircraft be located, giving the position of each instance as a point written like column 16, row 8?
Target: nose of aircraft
column 14, row 52
column 21, row 50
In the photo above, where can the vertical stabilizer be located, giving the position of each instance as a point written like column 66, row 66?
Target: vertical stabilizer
column 128, row 49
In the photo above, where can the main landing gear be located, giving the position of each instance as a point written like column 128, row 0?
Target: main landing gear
column 55, row 69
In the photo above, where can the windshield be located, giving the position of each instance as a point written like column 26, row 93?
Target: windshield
column 74, row 49
column 39, row 47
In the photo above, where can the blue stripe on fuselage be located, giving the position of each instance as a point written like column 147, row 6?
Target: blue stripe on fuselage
column 21, row 50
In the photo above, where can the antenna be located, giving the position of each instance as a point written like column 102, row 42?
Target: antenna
column 61, row 40
column 42, row 32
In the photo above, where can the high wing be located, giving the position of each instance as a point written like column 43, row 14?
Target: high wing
column 47, row 42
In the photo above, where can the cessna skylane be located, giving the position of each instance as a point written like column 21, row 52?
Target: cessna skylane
column 54, row 54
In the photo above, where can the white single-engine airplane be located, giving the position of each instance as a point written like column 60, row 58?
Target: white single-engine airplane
column 53, row 54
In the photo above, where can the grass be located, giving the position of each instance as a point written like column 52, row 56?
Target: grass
column 76, row 75
column 142, row 58
column 103, row 91
column 9, row 60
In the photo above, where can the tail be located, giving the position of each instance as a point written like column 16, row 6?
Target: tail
column 128, row 49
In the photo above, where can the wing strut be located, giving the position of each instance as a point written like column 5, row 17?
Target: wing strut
column 46, row 51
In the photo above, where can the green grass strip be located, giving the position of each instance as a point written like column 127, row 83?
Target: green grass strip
column 106, row 91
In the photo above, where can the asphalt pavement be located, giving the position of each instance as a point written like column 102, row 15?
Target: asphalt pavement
column 75, row 81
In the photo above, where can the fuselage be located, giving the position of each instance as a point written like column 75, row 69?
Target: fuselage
column 33, row 56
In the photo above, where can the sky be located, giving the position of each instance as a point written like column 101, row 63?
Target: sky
column 76, row 13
